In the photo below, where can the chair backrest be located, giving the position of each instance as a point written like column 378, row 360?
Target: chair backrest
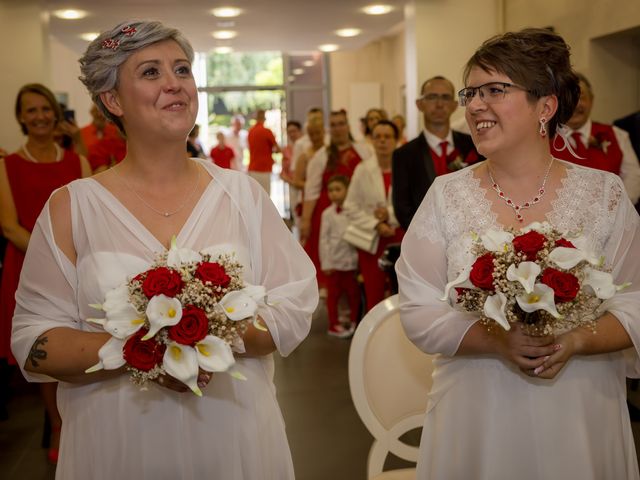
column 389, row 379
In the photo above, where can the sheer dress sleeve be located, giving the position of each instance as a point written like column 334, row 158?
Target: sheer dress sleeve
column 433, row 325
column 46, row 295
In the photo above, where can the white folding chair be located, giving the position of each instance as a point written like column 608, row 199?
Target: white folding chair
column 389, row 379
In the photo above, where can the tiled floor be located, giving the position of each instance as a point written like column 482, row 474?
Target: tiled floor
column 327, row 438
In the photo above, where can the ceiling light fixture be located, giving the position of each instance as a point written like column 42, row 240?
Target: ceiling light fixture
column 223, row 50
column 89, row 36
column 377, row 9
column 328, row 47
column 70, row 14
column 348, row 32
column 308, row 63
column 226, row 12
column 224, row 34
column 297, row 71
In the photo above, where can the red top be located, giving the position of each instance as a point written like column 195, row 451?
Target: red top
column 222, row 156
column 602, row 150
column 107, row 152
column 386, row 178
column 31, row 185
column 261, row 143
column 90, row 134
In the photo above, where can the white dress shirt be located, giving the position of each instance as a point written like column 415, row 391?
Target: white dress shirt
column 335, row 253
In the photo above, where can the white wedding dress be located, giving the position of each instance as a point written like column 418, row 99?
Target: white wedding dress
column 485, row 419
column 112, row 429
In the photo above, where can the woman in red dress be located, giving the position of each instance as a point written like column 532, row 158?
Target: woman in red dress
column 340, row 157
column 27, row 179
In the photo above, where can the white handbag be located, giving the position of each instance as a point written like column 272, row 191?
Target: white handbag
column 366, row 240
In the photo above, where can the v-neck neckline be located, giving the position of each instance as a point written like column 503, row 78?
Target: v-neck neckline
column 548, row 216
column 142, row 228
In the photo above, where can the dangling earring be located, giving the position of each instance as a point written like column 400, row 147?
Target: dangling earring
column 543, row 127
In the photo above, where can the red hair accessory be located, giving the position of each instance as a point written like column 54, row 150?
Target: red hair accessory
column 129, row 31
column 111, row 43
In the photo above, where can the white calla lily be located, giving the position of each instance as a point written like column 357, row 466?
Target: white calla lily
column 179, row 256
column 121, row 319
column 566, row 257
column 237, row 305
column 540, row 227
column 494, row 308
column 541, row 298
column 602, row 283
column 462, row 280
column 214, row 354
column 181, row 362
column 496, row 240
column 525, row 273
column 257, row 292
column 110, row 356
column 162, row 311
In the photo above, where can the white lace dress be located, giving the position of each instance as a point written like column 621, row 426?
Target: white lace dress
column 485, row 419
column 112, row 429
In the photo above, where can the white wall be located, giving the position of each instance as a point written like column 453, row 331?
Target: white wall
column 64, row 79
column 379, row 62
column 593, row 29
column 23, row 35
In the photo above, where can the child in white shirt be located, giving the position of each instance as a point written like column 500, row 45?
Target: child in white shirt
column 338, row 259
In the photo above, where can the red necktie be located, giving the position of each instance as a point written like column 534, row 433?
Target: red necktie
column 443, row 151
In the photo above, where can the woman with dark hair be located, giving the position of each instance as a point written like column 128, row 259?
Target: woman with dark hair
column 505, row 404
column 98, row 233
column 340, row 157
column 369, row 208
column 27, row 179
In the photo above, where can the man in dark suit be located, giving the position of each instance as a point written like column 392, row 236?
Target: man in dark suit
column 436, row 151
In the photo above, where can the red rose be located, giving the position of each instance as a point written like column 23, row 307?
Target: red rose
column 143, row 355
column 162, row 280
column 561, row 242
column 482, row 272
column 213, row 272
column 565, row 286
column 530, row 244
column 193, row 326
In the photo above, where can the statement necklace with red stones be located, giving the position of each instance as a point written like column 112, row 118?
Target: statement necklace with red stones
column 517, row 209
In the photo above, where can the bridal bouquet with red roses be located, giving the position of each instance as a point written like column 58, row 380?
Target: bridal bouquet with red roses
column 548, row 281
column 183, row 314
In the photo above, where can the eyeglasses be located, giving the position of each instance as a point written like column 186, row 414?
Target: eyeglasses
column 434, row 97
column 492, row 92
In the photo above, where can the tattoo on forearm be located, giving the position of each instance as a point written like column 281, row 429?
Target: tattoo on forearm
column 37, row 352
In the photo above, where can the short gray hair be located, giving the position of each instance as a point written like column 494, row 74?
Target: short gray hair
column 100, row 64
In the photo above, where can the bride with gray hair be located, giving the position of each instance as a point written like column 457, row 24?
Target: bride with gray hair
column 96, row 233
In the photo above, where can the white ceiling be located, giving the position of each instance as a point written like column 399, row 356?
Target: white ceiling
column 281, row 25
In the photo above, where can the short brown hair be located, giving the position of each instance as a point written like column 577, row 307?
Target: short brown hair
column 38, row 89
column 538, row 60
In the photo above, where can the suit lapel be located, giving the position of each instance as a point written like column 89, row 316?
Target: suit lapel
column 426, row 158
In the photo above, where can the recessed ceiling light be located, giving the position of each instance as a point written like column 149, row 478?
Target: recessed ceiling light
column 226, row 12
column 89, row 36
column 297, row 71
column 291, row 78
column 348, row 32
column 308, row 63
column 223, row 50
column 224, row 34
column 328, row 47
column 377, row 9
column 70, row 14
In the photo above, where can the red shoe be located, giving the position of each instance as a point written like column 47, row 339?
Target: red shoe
column 53, row 453
column 339, row 331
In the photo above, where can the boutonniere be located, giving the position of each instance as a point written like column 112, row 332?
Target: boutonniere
column 599, row 142
column 455, row 161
